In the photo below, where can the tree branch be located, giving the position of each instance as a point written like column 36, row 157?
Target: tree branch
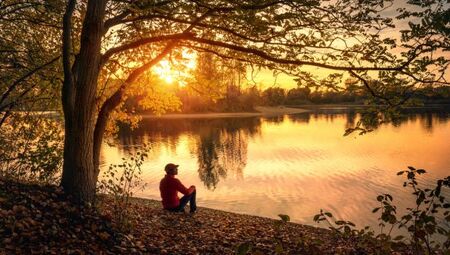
column 23, row 78
column 114, row 100
column 371, row 91
column 143, row 41
column 68, row 85
column 119, row 19
column 297, row 62
column 249, row 7
column 116, row 20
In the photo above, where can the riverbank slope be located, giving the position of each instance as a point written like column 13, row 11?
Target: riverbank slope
column 40, row 220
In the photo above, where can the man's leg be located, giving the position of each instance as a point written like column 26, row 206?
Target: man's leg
column 173, row 209
column 188, row 198
column 192, row 202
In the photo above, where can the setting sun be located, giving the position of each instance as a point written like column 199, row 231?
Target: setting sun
column 164, row 71
column 176, row 70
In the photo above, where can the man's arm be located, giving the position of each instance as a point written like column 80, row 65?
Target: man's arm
column 181, row 188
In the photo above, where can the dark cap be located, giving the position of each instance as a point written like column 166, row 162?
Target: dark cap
column 170, row 167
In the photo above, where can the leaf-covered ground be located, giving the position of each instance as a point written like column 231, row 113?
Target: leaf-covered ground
column 40, row 220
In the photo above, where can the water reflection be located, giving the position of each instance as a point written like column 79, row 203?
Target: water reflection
column 221, row 152
column 292, row 164
column 428, row 117
column 221, row 145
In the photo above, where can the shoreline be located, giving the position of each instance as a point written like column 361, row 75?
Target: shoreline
column 271, row 111
column 42, row 219
column 260, row 111
column 224, row 231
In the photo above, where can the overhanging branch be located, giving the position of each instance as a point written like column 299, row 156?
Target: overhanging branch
column 23, row 78
column 114, row 100
column 265, row 56
column 143, row 41
column 369, row 88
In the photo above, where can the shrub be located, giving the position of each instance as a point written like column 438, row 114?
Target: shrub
column 422, row 222
column 31, row 148
column 119, row 182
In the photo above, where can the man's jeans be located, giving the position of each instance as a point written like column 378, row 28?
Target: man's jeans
column 183, row 202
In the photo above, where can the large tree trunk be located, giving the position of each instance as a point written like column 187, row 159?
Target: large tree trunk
column 84, row 126
column 79, row 174
column 80, row 171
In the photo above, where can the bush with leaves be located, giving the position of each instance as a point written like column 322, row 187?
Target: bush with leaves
column 119, row 181
column 424, row 222
column 31, row 147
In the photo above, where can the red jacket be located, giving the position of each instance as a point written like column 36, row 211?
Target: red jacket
column 169, row 188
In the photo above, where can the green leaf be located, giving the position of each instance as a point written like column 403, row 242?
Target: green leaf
column 407, row 217
column 398, row 238
column 421, row 171
column 244, row 248
column 316, row 217
column 347, row 229
column 284, row 217
column 420, row 198
column 339, row 222
column 389, row 197
column 438, row 191
column 279, row 248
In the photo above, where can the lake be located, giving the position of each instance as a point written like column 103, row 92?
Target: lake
column 291, row 164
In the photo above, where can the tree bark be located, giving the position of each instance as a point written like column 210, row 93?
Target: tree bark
column 79, row 176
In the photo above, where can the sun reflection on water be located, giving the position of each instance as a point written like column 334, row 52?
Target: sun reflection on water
column 292, row 165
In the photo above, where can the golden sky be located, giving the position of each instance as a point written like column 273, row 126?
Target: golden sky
column 264, row 78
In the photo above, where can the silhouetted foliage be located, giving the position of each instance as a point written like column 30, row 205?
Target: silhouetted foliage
column 119, row 182
column 427, row 219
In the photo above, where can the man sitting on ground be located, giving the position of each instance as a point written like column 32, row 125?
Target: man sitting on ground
column 169, row 188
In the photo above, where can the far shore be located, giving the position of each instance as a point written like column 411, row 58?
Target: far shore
column 260, row 111
column 267, row 111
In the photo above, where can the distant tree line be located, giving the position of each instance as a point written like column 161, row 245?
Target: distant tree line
column 222, row 85
column 235, row 99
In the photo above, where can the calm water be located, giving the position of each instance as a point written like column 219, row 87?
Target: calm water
column 293, row 164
